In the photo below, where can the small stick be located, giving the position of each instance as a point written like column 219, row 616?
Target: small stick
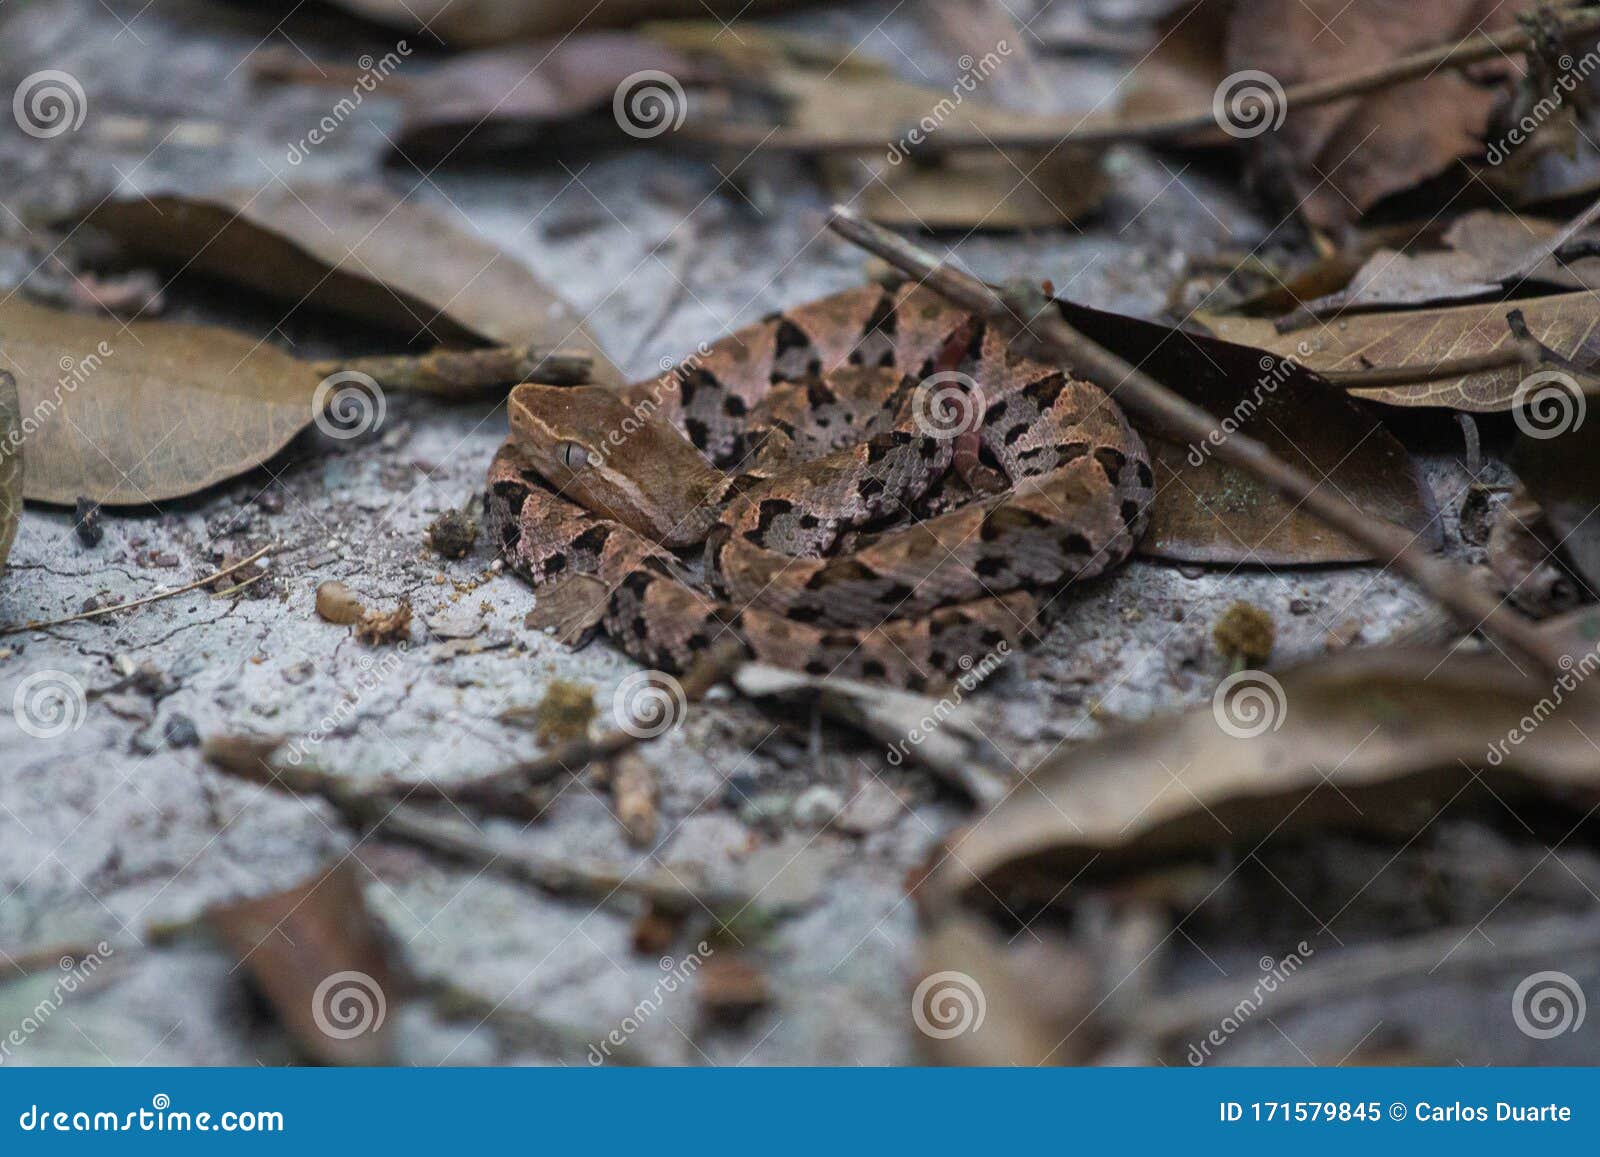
column 1040, row 331
column 1413, row 67
column 37, row 625
column 1519, row 354
column 451, row 373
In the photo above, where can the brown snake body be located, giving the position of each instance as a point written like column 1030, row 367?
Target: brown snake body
column 882, row 489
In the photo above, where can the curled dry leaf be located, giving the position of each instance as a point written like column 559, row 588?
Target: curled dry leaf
column 148, row 412
column 355, row 250
column 1209, row 511
column 1330, row 744
column 1484, row 251
column 321, row 961
column 1522, row 557
column 1562, row 322
column 1347, row 156
column 11, row 436
column 1334, row 745
column 509, row 98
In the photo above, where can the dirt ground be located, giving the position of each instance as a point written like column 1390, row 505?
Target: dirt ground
column 118, row 831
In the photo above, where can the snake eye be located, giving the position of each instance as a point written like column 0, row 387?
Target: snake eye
column 572, row 455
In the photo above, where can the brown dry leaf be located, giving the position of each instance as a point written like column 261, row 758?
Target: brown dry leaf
column 1328, row 744
column 1565, row 322
column 828, row 93
column 320, row 959
column 491, row 21
column 11, row 437
column 510, row 97
column 1208, row 511
column 1182, row 72
column 150, row 412
column 1484, row 250
column 354, row 250
column 1349, row 155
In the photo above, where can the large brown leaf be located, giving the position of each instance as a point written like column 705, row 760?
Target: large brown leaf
column 155, row 411
column 358, row 251
column 1209, row 511
column 318, row 956
column 1327, row 746
column 1564, row 322
column 1334, row 743
column 11, row 438
column 1350, row 154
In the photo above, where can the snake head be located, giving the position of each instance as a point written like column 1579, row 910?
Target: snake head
column 615, row 458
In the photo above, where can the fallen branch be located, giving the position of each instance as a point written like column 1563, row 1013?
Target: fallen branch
column 452, row 373
column 1040, row 331
column 40, row 624
column 1583, row 22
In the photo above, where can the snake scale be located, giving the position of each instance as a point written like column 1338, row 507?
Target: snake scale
column 880, row 489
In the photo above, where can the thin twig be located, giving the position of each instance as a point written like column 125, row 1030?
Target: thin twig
column 1040, row 331
column 38, row 625
column 1078, row 132
column 451, row 373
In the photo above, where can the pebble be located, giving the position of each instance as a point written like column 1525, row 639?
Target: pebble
column 817, row 806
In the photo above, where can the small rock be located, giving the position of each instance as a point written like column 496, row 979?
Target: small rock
column 270, row 500
column 125, row 705
column 731, row 988
column 181, row 731
column 1300, row 606
column 455, row 623
column 817, row 806
column 299, row 672
column 871, row 809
